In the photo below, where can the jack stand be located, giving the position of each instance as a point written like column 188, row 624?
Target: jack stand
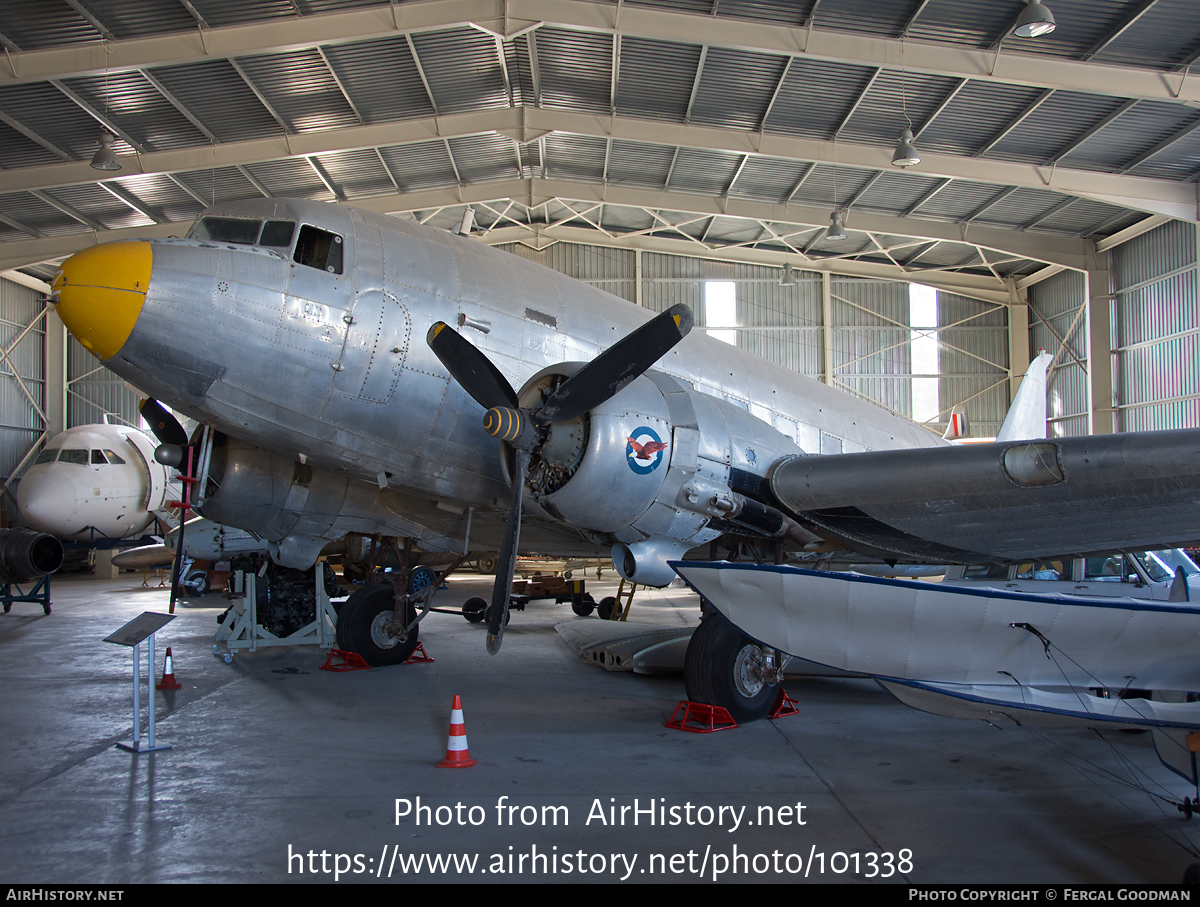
column 242, row 631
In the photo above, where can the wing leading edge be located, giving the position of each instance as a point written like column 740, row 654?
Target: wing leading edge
column 1003, row 501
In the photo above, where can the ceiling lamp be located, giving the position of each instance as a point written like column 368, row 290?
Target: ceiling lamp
column 105, row 159
column 836, row 230
column 905, row 154
column 1034, row 21
column 788, row 279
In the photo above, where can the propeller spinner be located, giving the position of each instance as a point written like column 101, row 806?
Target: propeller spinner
column 526, row 430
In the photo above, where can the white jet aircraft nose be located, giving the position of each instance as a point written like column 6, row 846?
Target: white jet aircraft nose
column 48, row 502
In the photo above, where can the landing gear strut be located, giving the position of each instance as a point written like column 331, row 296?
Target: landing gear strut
column 725, row 667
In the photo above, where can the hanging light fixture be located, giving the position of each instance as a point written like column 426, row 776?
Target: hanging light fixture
column 835, row 230
column 788, row 279
column 905, row 154
column 105, row 158
column 1033, row 21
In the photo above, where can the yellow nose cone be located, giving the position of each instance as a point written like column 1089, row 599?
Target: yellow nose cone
column 100, row 293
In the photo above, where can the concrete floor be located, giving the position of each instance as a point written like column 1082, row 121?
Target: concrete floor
column 273, row 756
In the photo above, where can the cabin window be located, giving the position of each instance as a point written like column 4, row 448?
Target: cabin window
column 987, row 571
column 46, row 456
column 1051, row 570
column 113, row 458
column 98, row 458
column 79, row 457
column 277, row 233
column 226, row 229
column 319, row 249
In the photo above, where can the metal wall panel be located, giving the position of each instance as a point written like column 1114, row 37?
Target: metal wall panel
column 973, row 361
column 1054, row 304
column 1156, row 329
column 21, row 425
column 93, row 391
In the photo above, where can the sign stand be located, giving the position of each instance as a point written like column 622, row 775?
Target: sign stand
column 142, row 627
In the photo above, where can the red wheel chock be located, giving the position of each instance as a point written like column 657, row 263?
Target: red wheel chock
column 419, row 656
column 341, row 660
column 784, row 705
column 698, row 718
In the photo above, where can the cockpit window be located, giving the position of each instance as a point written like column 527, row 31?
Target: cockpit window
column 98, row 458
column 277, row 233
column 79, row 457
column 46, row 456
column 226, row 229
column 319, row 249
column 113, row 458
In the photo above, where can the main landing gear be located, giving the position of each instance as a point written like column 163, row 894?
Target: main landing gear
column 725, row 667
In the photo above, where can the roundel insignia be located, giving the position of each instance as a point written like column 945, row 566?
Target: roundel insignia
column 644, row 450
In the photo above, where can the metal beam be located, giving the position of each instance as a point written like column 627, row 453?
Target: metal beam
column 1014, row 123
column 282, row 35
column 687, row 117
column 1128, row 22
column 1154, row 196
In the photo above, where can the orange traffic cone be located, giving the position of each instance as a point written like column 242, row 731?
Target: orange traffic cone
column 168, row 682
column 457, row 755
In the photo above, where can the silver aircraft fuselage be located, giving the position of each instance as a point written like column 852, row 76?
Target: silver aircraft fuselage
column 331, row 366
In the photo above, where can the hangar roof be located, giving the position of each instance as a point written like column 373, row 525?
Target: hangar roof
column 725, row 127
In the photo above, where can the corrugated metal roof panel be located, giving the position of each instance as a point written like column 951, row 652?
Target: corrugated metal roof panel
column 1137, row 130
column 161, row 195
column 35, row 213
column 978, row 112
column 92, row 201
column 960, row 199
column 655, row 79
column 51, row 114
column 830, row 185
column 575, row 69
column 880, row 116
column 18, row 151
column 423, row 165
column 637, row 164
column 575, row 156
column 140, row 18
column 1053, row 127
column 707, row 172
column 381, row 78
column 1020, row 207
column 868, row 16
column 139, row 110
column 220, row 99
column 300, row 88
column 896, row 191
column 1156, row 38
column 816, row 96
column 485, row 157
column 358, row 174
column 736, row 87
column 234, row 12
column 1179, row 161
column 292, row 178
column 785, row 12
column 221, row 184
column 770, row 179
column 33, row 24
column 463, row 69
column 974, row 23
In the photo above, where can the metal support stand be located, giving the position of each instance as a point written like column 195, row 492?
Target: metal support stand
column 38, row 595
column 241, row 629
column 142, row 627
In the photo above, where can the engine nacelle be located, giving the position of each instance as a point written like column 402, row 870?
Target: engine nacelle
column 651, row 467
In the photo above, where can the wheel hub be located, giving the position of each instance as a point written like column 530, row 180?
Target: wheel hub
column 382, row 634
column 747, row 671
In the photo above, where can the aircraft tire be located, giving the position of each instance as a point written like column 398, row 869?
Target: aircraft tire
column 713, row 671
column 605, row 609
column 474, row 609
column 364, row 620
column 196, row 583
column 586, row 605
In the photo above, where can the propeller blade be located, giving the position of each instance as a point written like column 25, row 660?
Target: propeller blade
column 506, row 565
column 164, row 425
column 617, row 366
column 470, row 368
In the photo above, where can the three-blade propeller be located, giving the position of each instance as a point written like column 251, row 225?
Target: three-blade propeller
column 169, row 431
column 525, row 430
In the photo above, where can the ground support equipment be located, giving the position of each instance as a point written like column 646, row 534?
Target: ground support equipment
column 39, row 594
column 242, row 630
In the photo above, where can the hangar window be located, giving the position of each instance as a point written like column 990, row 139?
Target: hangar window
column 226, row 229
column 79, row 457
column 319, row 249
column 720, row 308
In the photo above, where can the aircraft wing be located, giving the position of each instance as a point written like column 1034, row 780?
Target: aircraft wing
column 1002, row 501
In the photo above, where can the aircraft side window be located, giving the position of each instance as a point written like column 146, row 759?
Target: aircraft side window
column 319, row 249
column 98, row 458
column 226, row 229
column 113, row 458
column 78, row 457
column 46, row 456
column 987, row 571
column 277, row 233
column 1103, row 569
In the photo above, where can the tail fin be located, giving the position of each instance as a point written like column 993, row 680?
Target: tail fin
column 1026, row 417
column 958, row 425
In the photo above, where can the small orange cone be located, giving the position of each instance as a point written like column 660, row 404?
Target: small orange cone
column 457, row 755
column 168, row 682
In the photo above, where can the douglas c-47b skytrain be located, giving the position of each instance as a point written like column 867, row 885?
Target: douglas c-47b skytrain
column 367, row 374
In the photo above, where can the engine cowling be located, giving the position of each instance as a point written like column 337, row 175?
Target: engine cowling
column 650, row 467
